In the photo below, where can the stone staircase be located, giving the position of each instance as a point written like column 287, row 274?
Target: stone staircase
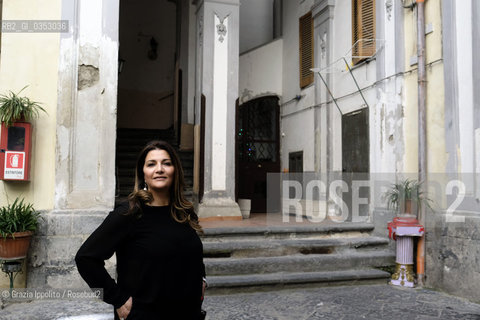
column 129, row 144
column 253, row 258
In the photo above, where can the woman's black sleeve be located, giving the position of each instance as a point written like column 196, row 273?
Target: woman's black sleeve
column 100, row 246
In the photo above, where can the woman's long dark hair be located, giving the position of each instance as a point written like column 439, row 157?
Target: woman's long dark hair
column 181, row 209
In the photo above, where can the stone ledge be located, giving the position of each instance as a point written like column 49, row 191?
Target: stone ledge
column 292, row 263
column 265, row 230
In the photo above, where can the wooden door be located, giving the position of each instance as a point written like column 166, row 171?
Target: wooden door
column 257, row 149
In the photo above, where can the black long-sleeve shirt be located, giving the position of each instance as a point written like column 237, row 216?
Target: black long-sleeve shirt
column 159, row 261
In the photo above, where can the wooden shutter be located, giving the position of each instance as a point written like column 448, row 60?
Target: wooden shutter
column 363, row 27
column 306, row 50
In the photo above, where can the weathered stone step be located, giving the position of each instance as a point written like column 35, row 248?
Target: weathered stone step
column 295, row 278
column 288, row 231
column 277, row 247
column 298, row 262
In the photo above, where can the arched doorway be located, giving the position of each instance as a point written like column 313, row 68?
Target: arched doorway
column 258, row 149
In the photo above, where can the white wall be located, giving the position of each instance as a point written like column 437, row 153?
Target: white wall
column 297, row 134
column 365, row 75
column 297, row 117
column 385, row 98
column 256, row 23
column 260, row 72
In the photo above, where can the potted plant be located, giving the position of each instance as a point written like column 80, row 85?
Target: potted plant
column 402, row 195
column 18, row 222
column 14, row 108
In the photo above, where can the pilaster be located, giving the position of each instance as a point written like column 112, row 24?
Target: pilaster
column 217, row 80
column 322, row 14
column 87, row 102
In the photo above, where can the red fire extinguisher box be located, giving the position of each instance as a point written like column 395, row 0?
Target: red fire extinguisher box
column 15, row 146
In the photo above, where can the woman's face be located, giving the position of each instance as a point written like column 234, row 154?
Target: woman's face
column 158, row 170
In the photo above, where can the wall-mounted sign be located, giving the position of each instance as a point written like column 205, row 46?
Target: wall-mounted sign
column 14, row 165
column 15, row 147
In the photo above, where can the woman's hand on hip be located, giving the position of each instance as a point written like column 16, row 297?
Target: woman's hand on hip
column 204, row 286
column 124, row 310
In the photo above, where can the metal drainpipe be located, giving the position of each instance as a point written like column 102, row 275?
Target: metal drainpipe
column 422, row 132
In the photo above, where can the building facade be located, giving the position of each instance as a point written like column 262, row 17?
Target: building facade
column 219, row 69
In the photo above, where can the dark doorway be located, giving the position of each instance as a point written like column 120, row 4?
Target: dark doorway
column 149, row 85
column 355, row 141
column 295, row 169
column 355, row 161
column 257, row 149
column 295, row 162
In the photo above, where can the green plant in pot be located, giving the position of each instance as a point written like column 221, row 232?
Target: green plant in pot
column 14, row 108
column 18, row 223
column 404, row 195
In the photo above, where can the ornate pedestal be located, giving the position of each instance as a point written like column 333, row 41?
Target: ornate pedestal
column 403, row 229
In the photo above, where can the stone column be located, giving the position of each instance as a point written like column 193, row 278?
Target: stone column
column 217, row 80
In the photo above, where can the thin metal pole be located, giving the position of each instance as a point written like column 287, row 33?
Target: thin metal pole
column 330, row 93
column 355, row 80
column 422, row 131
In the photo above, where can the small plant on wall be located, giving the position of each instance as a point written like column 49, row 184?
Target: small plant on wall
column 402, row 195
column 15, row 108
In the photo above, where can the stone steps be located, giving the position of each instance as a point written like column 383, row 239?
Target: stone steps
column 288, row 231
column 262, row 257
column 275, row 247
column 294, row 263
column 255, row 281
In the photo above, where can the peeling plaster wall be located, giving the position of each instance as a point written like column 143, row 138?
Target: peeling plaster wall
column 33, row 59
column 387, row 112
column 88, row 76
column 88, row 91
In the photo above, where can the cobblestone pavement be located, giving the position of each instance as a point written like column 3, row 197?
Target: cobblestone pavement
column 346, row 302
column 359, row 302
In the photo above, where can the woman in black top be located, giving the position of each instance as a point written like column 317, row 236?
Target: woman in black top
column 160, row 270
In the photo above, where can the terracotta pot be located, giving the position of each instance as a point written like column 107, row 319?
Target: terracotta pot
column 15, row 247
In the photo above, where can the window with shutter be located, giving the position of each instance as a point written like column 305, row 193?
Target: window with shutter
column 306, row 50
column 363, row 29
